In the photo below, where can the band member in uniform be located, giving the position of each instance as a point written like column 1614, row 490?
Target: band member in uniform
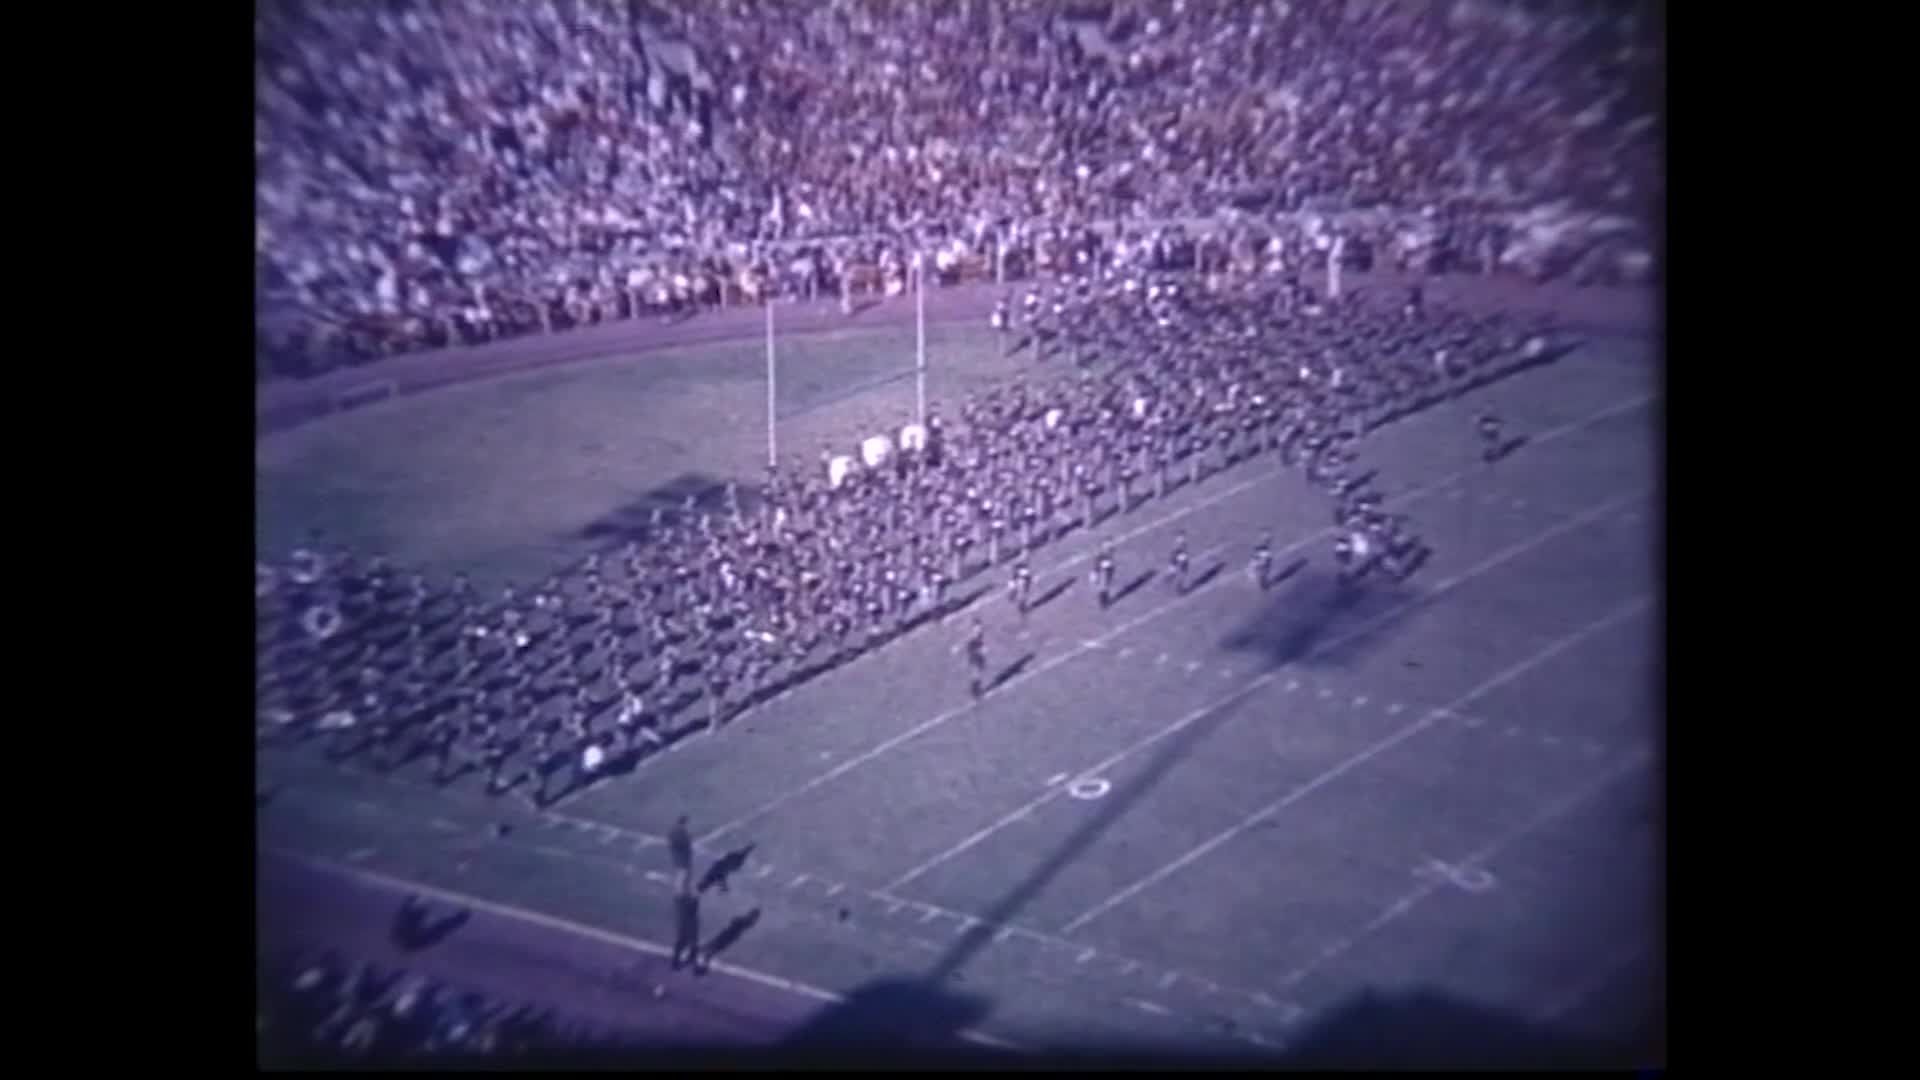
column 669, row 667
column 1020, row 586
column 495, row 752
column 550, row 754
column 1261, row 569
column 1089, row 490
column 1179, row 562
column 1489, row 427
column 1103, row 573
column 1355, row 553
column 977, row 657
column 442, row 740
column 717, row 679
column 592, row 756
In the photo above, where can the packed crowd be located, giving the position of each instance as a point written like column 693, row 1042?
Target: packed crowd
column 315, row 1009
column 1162, row 383
column 458, row 171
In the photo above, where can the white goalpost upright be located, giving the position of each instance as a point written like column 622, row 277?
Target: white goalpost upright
column 772, row 452
column 920, row 340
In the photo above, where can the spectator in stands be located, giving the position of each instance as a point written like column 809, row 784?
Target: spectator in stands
column 460, row 171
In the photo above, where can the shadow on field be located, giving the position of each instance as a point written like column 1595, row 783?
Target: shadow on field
column 1314, row 613
column 1427, row 1029
column 1286, row 575
column 731, row 933
column 1423, row 1029
column 415, row 929
column 937, row 1011
column 1053, row 594
column 1011, row 672
column 634, row 520
column 891, row 1015
column 1319, row 619
column 1135, row 585
column 1206, row 576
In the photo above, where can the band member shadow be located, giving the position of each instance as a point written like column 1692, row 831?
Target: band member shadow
column 1205, row 577
column 728, row 936
column 1501, row 450
column 670, row 735
column 1414, row 563
column 1139, row 582
column 551, row 782
column 456, row 771
column 812, row 670
column 1298, row 564
column 680, row 702
column 721, row 872
column 1011, row 672
column 1052, row 594
column 413, row 930
column 1325, row 621
column 764, row 693
column 1361, row 481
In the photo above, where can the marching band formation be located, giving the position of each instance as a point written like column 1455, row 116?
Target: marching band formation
column 551, row 688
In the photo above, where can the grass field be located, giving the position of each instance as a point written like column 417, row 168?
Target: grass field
column 511, row 477
column 1205, row 821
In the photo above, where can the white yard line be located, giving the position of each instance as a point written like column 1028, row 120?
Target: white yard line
column 1329, row 645
column 893, row 905
column 1361, row 758
column 925, row 726
column 1638, row 760
column 1085, row 647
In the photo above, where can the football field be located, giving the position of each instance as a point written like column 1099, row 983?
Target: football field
column 1200, row 820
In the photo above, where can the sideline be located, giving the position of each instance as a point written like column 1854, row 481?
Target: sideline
column 567, row 926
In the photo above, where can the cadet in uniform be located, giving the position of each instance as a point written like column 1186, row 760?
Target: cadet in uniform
column 977, row 657
column 1103, row 573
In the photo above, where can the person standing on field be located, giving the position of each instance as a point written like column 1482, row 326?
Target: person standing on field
column 680, row 846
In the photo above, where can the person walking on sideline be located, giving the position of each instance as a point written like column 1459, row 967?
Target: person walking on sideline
column 680, row 846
